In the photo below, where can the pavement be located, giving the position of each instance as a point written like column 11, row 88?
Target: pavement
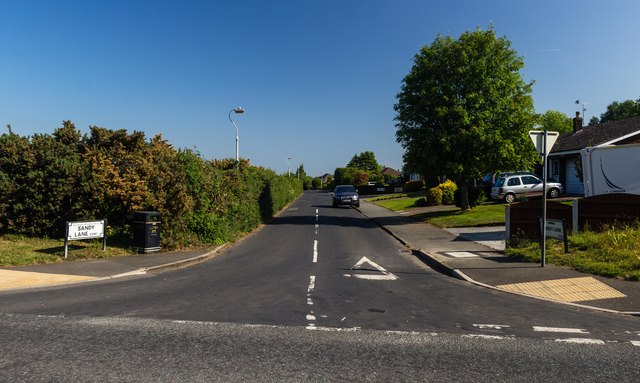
column 55, row 274
column 472, row 254
column 477, row 256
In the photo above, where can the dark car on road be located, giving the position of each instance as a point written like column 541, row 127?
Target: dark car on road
column 345, row 195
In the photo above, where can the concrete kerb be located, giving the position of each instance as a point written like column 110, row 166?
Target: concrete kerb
column 431, row 260
column 434, row 262
column 181, row 264
column 394, row 235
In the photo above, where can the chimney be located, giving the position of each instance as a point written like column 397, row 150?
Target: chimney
column 577, row 123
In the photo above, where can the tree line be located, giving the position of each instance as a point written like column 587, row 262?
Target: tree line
column 47, row 179
column 362, row 169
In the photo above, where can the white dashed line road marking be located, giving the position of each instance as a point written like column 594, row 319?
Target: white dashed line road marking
column 560, row 329
column 491, row 326
column 580, row 341
column 483, row 336
column 315, row 251
column 311, row 317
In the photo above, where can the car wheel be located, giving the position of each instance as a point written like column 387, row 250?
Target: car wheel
column 554, row 193
column 509, row 198
column 335, row 204
column 357, row 204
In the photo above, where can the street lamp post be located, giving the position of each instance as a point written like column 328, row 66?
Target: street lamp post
column 237, row 110
column 288, row 167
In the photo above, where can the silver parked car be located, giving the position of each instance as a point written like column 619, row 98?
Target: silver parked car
column 510, row 187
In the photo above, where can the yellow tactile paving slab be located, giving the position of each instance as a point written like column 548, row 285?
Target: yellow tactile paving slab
column 13, row 279
column 566, row 290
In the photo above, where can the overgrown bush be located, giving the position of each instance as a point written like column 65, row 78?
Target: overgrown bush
column 434, row 196
column 412, row 186
column 448, row 188
column 421, row 202
column 46, row 180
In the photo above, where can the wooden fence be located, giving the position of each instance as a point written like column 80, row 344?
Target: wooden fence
column 522, row 218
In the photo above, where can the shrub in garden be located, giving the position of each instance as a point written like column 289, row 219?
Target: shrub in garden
column 448, row 188
column 412, row 186
column 434, row 196
column 420, row 202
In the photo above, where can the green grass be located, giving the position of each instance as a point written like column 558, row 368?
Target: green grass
column 397, row 204
column 450, row 216
column 20, row 251
column 483, row 215
column 611, row 253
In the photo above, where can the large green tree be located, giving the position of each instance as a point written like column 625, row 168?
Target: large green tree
column 464, row 109
column 555, row 121
column 364, row 161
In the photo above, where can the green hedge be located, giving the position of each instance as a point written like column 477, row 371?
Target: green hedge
column 46, row 180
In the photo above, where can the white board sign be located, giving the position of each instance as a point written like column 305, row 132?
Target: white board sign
column 85, row 230
column 555, row 229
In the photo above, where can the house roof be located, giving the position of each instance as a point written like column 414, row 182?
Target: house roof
column 391, row 172
column 613, row 132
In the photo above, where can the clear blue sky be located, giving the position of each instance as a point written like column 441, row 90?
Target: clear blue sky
column 318, row 79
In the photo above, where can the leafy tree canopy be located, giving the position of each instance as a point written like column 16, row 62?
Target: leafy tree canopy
column 464, row 109
column 621, row 110
column 555, row 121
column 364, row 161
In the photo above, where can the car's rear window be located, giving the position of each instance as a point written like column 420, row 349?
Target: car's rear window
column 499, row 182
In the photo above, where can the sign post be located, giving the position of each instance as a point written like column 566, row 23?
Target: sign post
column 77, row 230
column 543, row 141
column 557, row 229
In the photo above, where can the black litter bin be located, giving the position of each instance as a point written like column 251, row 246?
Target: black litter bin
column 146, row 231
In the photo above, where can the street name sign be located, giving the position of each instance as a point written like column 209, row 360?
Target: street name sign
column 77, row 230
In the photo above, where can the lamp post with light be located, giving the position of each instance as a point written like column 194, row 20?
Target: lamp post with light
column 237, row 110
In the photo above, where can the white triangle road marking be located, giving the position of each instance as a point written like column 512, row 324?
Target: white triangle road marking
column 386, row 275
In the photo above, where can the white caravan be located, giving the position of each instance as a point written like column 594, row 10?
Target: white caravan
column 611, row 169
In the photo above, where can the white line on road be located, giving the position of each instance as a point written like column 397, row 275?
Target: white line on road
column 560, row 329
column 311, row 317
column 580, row 341
column 315, row 251
column 483, row 336
column 635, row 343
column 491, row 326
column 334, row 329
column 312, row 284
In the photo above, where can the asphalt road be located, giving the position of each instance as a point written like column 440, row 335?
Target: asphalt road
column 319, row 294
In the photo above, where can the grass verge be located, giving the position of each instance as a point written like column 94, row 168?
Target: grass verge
column 21, row 251
column 396, row 204
column 450, row 216
column 483, row 215
column 611, row 253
